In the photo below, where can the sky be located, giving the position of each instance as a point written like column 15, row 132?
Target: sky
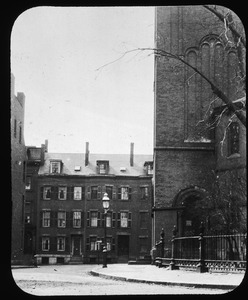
column 57, row 54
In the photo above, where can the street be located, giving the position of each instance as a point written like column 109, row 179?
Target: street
column 76, row 280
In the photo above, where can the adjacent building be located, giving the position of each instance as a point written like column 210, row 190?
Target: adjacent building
column 69, row 215
column 18, row 170
column 187, row 152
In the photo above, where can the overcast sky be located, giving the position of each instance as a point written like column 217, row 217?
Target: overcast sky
column 55, row 54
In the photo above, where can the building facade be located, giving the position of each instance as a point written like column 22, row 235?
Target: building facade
column 185, row 149
column 70, row 217
column 18, row 170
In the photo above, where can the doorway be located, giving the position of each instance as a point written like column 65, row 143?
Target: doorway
column 76, row 245
column 123, row 248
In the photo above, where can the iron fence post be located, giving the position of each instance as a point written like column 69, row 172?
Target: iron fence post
column 162, row 242
column 201, row 268
column 172, row 263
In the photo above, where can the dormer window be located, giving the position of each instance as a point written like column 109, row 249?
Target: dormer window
column 149, row 167
column 55, row 166
column 102, row 166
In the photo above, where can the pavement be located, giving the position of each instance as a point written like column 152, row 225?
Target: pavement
column 154, row 275
column 163, row 276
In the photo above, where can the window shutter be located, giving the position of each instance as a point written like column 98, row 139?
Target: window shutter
column 88, row 192
column 88, row 219
column 67, row 244
column 114, row 193
column 99, row 192
column 41, row 192
column 83, row 193
column 119, row 193
column 87, row 244
column 129, row 219
column 113, row 219
column 129, row 193
column 103, row 190
column 103, row 220
column 98, row 219
column 82, row 219
column 118, row 219
column 41, row 217
column 113, row 244
column 67, row 220
column 71, row 220
column 52, row 192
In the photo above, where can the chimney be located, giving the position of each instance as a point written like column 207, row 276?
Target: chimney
column 46, row 146
column 87, row 153
column 131, row 154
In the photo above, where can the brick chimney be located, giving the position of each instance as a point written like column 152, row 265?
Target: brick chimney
column 46, row 145
column 131, row 154
column 87, row 153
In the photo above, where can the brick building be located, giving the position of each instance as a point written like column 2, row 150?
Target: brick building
column 18, row 166
column 185, row 150
column 70, row 220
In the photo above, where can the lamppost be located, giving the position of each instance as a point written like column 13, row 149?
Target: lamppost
column 105, row 204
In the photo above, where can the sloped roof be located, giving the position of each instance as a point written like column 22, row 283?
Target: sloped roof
column 116, row 161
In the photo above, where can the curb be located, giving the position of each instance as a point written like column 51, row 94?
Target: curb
column 23, row 267
column 169, row 283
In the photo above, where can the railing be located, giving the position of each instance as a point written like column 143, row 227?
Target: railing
column 204, row 253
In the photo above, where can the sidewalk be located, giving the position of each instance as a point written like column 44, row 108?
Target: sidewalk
column 155, row 275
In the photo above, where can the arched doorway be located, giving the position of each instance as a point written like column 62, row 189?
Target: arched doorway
column 191, row 211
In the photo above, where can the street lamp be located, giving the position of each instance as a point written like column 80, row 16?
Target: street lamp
column 105, row 204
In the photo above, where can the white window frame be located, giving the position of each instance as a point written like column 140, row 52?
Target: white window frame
column 60, row 242
column 45, row 220
column 56, row 165
column 61, row 221
column 45, row 242
column 124, row 219
column 45, row 189
column 64, row 189
column 77, row 216
column 93, row 218
column 77, row 193
column 124, row 193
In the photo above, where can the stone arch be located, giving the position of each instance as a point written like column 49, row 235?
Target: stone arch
column 189, row 214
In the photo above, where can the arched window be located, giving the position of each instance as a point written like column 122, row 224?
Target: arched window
column 233, row 138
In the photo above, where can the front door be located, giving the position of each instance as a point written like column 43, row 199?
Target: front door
column 123, row 248
column 76, row 245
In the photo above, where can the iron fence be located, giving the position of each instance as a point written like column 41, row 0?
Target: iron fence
column 226, row 252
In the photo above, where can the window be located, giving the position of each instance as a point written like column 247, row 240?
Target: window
column 144, row 192
column 93, row 193
column 103, row 166
column 109, row 240
column 60, row 244
column 124, row 219
column 55, row 167
column 149, row 167
column 93, row 218
column 20, row 134
column 46, row 219
column 233, row 138
column 77, row 219
column 108, row 219
column 109, row 191
column 124, row 193
column 94, row 244
column 27, row 213
column 28, row 183
column 144, row 220
column 62, row 219
column 27, row 219
column 143, row 244
column 45, row 243
column 47, row 193
column 77, row 193
column 62, row 193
